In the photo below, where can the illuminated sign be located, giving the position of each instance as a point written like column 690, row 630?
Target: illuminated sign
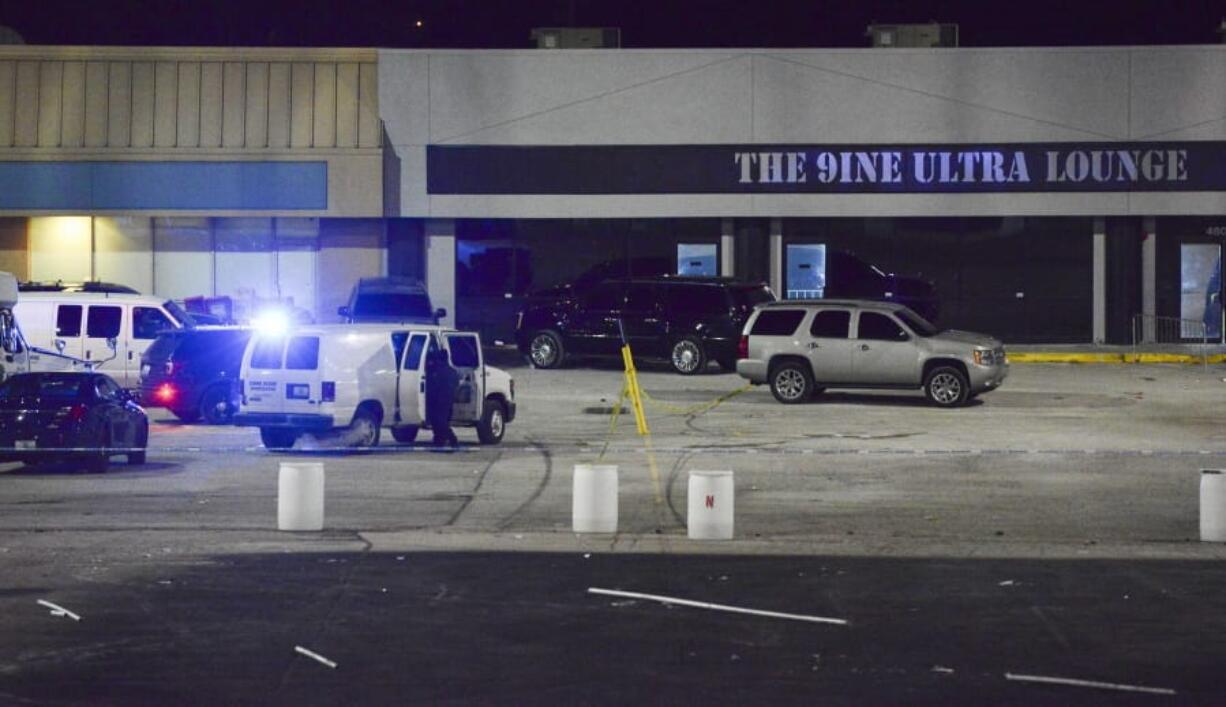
column 733, row 169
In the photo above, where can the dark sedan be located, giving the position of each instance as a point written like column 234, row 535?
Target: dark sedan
column 82, row 417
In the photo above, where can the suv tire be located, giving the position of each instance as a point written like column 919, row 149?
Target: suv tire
column 545, row 349
column 278, row 437
column 493, row 423
column 687, row 356
column 791, row 383
column 405, row 435
column 946, row 387
column 215, row 406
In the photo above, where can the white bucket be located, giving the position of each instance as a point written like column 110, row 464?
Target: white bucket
column 1212, row 505
column 300, row 496
column 710, row 505
column 594, row 498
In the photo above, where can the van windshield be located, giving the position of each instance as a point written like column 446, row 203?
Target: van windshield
column 404, row 305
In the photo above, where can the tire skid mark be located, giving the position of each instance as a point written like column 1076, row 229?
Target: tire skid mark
column 480, row 480
column 540, row 488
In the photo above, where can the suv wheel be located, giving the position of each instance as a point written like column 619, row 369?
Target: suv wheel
column 545, row 349
column 688, row 356
column 946, row 387
column 791, row 383
column 215, row 406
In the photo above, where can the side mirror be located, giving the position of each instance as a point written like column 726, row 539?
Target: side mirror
column 112, row 343
column 440, row 313
column 59, row 345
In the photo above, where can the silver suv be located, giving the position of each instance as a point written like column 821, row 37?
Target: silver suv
column 803, row 347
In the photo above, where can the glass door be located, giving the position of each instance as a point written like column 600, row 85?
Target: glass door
column 1200, row 291
column 805, row 265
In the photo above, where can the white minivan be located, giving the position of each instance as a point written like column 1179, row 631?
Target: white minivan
column 85, row 321
column 363, row 377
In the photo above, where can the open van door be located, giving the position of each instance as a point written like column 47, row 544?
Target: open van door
column 465, row 353
column 412, row 388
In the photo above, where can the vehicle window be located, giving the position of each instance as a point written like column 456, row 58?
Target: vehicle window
column 412, row 360
column 696, row 300
column 879, row 327
column 148, row 321
column 641, row 298
column 106, row 389
column 103, row 322
column 302, row 354
column 918, row 324
column 831, row 324
column 405, row 305
column 604, row 297
column 777, row 322
column 464, row 352
column 399, row 339
column 10, row 335
column 61, row 387
column 267, row 353
column 68, row 320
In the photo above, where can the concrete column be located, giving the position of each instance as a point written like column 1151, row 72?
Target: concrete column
column 1100, row 280
column 1149, row 277
column 727, row 247
column 440, row 266
column 776, row 240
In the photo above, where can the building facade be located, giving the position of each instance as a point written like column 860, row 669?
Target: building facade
column 1041, row 195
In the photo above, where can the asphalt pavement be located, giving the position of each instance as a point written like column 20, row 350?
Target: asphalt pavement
column 1048, row 533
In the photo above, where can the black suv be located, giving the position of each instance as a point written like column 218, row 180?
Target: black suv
column 191, row 372
column 686, row 320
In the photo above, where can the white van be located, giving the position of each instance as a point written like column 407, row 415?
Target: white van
column 85, row 321
column 364, row 377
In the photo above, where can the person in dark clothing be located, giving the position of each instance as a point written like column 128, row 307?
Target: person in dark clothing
column 441, row 383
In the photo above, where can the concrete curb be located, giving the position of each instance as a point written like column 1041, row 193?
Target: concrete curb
column 1072, row 357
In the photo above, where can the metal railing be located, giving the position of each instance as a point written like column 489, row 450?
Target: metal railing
column 1151, row 329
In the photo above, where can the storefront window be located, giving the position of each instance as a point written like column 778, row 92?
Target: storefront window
column 1200, row 290
column 696, row 259
column 806, row 271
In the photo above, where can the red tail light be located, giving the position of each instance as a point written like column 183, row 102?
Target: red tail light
column 165, row 393
column 76, row 413
column 327, row 391
column 742, row 348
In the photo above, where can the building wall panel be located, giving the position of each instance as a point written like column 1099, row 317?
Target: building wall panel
column 26, row 97
column 165, row 100
column 302, row 101
column 278, row 105
column 369, row 131
column 142, row 104
column 347, row 105
column 123, row 251
column 323, row 113
column 97, row 86
column 119, row 105
column 258, row 78
column 72, row 122
column 50, row 103
column 182, row 257
column 211, row 104
column 8, row 89
column 234, row 105
column 187, row 105
column 60, row 248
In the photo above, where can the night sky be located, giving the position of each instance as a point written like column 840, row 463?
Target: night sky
column 644, row 23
